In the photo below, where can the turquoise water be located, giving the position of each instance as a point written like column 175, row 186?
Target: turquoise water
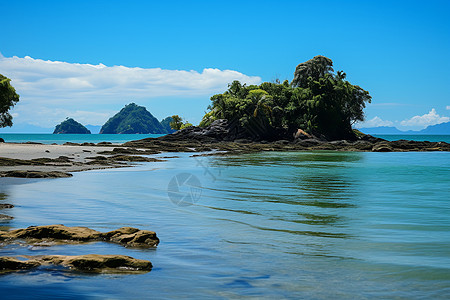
column 415, row 137
column 314, row 225
column 46, row 138
column 122, row 138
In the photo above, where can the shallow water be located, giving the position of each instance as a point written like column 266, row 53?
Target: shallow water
column 287, row 225
column 47, row 138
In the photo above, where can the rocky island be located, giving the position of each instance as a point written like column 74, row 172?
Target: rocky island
column 71, row 126
column 133, row 119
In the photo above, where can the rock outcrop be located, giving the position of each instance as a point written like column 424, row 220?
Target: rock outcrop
column 126, row 236
column 221, row 136
column 85, row 263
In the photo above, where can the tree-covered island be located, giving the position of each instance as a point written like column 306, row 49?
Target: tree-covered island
column 318, row 101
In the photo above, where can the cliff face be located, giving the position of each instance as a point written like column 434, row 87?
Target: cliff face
column 133, row 119
column 70, row 126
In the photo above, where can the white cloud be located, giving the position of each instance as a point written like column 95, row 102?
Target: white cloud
column 71, row 89
column 447, row 107
column 375, row 122
column 431, row 118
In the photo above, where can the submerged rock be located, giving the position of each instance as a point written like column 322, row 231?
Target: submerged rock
column 126, row 236
column 6, row 205
column 3, row 218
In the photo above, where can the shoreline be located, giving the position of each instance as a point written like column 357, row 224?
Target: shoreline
column 29, row 160
column 36, row 160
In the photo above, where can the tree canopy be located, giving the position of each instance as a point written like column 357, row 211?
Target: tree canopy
column 8, row 98
column 177, row 123
column 318, row 101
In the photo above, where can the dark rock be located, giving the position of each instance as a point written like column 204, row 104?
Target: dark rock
column 371, row 139
column 2, row 140
column 131, row 158
column 71, row 144
column 33, row 143
column 308, row 142
column 5, row 217
column 6, row 205
column 34, row 174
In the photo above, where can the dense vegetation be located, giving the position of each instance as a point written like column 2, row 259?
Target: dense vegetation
column 133, row 119
column 177, row 123
column 8, row 98
column 69, row 125
column 318, row 101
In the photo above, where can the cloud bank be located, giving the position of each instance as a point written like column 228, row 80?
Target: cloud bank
column 375, row 122
column 431, row 118
column 51, row 90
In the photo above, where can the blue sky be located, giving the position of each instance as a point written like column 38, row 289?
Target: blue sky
column 397, row 50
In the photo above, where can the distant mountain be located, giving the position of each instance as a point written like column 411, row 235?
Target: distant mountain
column 133, row 119
column 70, row 126
column 381, row 130
column 166, row 124
column 94, row 129
column 443, row 128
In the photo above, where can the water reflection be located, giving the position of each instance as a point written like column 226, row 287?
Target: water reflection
column 309, row 193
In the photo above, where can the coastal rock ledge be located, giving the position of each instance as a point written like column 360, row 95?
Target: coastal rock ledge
column 86, row 263
column 220, row 135
column 126, row 236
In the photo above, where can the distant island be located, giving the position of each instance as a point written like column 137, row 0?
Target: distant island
column 70, row 126
column 133, row 119
column 166, row 124
column 443, row 128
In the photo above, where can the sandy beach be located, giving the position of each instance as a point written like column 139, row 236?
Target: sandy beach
column 62, row 158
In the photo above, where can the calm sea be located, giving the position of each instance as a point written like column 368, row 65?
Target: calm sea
column 46, row 138
column 314, row 225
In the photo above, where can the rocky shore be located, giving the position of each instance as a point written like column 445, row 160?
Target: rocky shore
column 218, row 137
column 56, row 161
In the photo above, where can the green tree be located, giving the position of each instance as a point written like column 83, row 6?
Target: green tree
column 186, row 125
column 312, row 69
column 8, row 98
column 176, row 123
